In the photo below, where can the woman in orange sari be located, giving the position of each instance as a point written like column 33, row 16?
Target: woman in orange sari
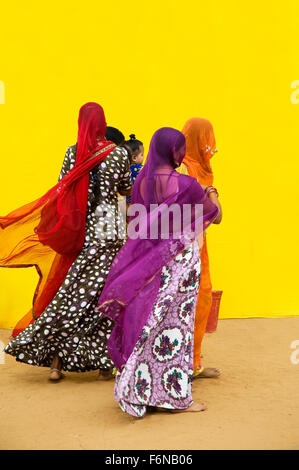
column 200, row 147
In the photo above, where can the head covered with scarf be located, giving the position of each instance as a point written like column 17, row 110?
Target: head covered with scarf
column 200, row 147
column 48, row 233
column 134, row 278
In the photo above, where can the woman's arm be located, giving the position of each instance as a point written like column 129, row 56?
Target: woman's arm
column 68, row 162
column 124, row 186
column 212, row 195
column 214, row 198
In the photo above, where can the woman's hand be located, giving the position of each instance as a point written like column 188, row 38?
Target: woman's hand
column 214, row 198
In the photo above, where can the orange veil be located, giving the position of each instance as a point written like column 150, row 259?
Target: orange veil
column 200, row 147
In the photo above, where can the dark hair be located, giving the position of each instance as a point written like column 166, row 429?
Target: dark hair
column 133, row 145
column 115, row 135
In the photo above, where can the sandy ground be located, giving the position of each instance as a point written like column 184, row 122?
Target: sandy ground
column 254, row 405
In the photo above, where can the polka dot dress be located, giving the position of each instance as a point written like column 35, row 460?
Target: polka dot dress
column 69, row 326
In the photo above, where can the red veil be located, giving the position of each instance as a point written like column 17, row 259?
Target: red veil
column 49, row 232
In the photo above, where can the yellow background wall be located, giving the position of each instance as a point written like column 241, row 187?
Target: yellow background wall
column 153, row 64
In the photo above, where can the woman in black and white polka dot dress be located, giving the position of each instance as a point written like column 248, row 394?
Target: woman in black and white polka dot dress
column 69, row 334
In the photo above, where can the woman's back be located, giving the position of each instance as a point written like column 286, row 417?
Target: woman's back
column 105, row 182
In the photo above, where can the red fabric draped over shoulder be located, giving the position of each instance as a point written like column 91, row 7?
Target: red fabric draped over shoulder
column 49, row 232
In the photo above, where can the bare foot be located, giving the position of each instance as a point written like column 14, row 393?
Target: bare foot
column 195, row 407
column 105, row 374
column 208, row 373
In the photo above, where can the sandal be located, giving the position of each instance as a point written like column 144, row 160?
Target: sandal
column 202, row 373
column 56, row 379
column 106, row 374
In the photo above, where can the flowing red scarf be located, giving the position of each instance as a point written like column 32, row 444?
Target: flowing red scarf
column 49, row 232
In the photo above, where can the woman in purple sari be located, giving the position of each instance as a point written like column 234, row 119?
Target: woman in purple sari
column 153, row 284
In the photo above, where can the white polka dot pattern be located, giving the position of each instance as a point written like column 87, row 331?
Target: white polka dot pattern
column 69, row 326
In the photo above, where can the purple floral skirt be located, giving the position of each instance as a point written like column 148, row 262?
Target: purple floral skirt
column 159, row 370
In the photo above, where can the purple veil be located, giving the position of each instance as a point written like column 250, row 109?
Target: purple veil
column 159, row 193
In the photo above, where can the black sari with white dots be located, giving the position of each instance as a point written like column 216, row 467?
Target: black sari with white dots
column 69, row 326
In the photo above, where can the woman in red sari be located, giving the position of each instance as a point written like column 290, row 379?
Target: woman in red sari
column 65, row 235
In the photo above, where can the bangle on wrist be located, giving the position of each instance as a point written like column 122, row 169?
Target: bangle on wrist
column 211, row 189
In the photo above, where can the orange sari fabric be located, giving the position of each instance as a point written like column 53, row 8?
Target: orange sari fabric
column 200, row 147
